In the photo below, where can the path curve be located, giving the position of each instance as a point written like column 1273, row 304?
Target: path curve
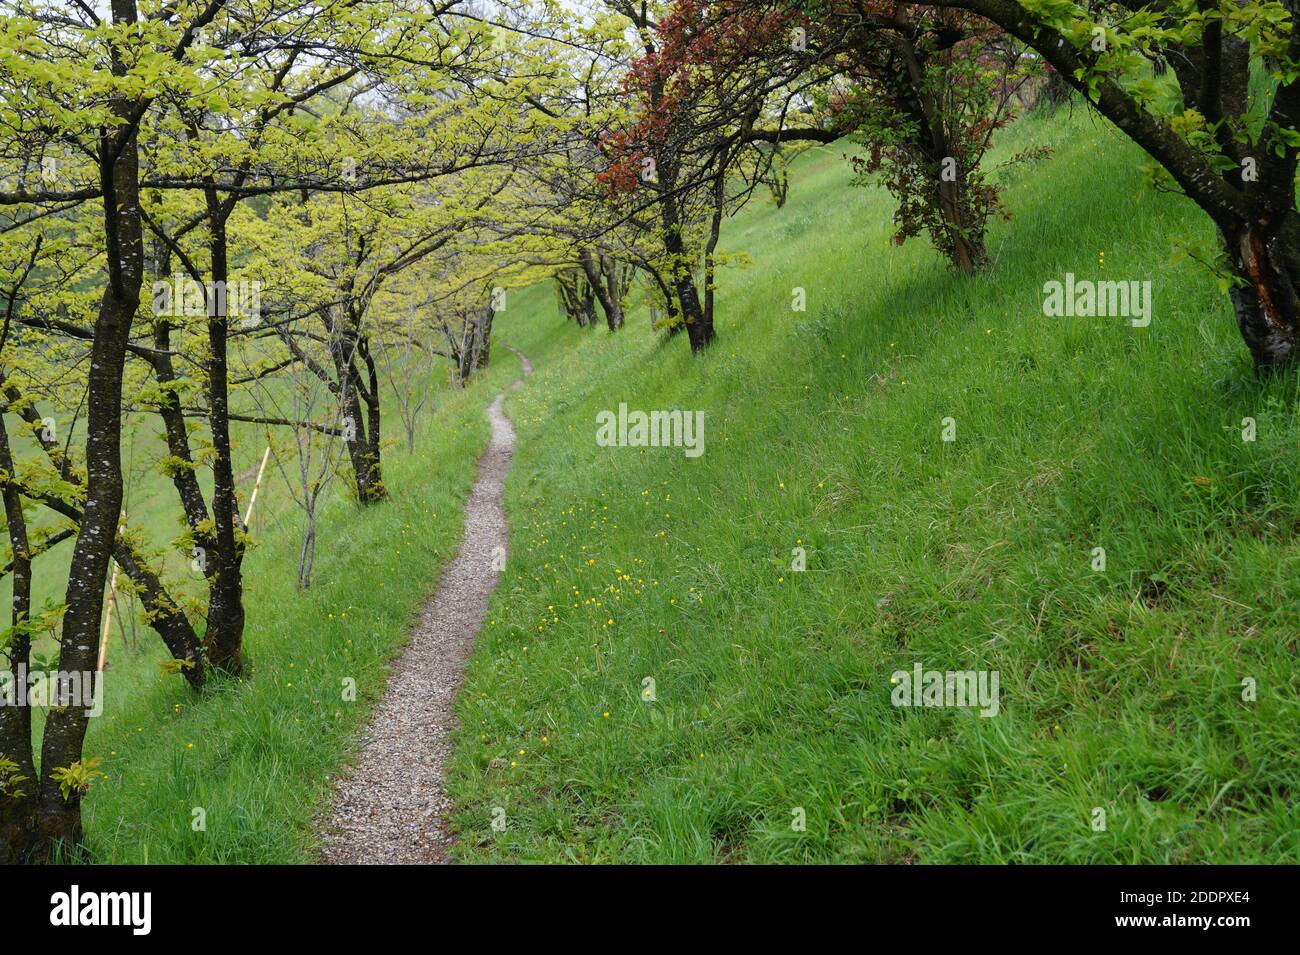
column 523, row 361
column 391, row 808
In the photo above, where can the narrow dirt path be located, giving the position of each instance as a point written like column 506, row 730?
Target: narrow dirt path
column 523, row 360
column 391, row 808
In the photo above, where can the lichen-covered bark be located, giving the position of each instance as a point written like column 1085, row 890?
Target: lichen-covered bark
column 18, row 785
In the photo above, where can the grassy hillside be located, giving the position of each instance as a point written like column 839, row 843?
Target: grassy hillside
column 1120, row 690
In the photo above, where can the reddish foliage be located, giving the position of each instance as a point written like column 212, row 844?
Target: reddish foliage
column 695, row 43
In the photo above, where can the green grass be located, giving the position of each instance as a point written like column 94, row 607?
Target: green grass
column 257, row 754
column 1120, row 690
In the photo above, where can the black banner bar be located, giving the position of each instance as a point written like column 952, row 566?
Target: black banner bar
column 176, row 904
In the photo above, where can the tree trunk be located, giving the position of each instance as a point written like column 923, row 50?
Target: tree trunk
column 224, row 638
column 966, row 253
column 376, row 491
column 1266, row 259
column 666, row 296
column 608, row 303
column 577, row 296
column 699, row 325
column 59, row 822
column 18, row 799
column 484, row 338
column 361, row 426
column 184, row 478
column 356, row 438
column 615, row 275
column 370, row 484
column 307, row 553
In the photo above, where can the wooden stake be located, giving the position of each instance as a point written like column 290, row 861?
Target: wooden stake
column 252, row 499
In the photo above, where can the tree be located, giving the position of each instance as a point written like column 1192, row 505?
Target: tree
column 186, row 120
column 609, row 278
column 403, row 348
column 73, row 83
column 694, row 142
column 1225, row 136
column 314, row 449
column 930, row 87
column 924, row 90
column 576, row 295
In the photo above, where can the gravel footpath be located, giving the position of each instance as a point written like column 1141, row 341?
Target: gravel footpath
column 390, row 809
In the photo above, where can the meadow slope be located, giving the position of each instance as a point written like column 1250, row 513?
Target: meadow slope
column 1121, row 690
